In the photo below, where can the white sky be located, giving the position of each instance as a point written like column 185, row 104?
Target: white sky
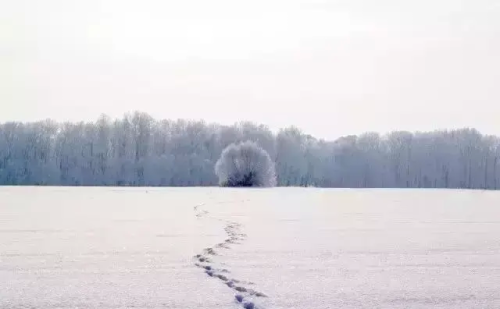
column 328, row 67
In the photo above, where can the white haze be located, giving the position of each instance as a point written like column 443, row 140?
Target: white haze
column 329, row 67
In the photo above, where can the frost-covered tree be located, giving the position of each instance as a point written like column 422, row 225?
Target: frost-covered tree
column 245, row 165
column 138, row 150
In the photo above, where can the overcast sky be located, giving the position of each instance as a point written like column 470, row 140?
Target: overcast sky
column 329, row 67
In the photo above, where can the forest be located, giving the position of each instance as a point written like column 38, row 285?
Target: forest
column 138, row 150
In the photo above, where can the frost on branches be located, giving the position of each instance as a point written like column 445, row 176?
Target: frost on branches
column 245, row 165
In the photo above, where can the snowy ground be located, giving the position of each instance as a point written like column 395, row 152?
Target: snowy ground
column 278, row 248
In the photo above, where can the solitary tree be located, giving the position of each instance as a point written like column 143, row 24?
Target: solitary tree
column 245, row 165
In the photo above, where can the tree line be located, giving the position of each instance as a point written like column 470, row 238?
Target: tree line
column 139, row 150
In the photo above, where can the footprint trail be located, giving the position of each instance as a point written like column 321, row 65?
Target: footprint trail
column 244, row 294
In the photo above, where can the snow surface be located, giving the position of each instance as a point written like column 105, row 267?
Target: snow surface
column 277, row 248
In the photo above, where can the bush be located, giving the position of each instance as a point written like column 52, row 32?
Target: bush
column 245, row 165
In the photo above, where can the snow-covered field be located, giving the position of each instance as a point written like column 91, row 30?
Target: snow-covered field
column 277, row 248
